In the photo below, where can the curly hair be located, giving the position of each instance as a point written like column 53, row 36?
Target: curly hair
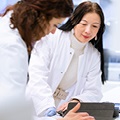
column 32, row 17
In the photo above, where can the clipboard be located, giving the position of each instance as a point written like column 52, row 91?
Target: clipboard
column 101, row 111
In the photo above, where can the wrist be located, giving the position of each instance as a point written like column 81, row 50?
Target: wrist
column 60, row 118
column 50, row 111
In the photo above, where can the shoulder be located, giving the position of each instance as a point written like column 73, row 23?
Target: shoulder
column 9, row 37
column 92, row 51
column 11, row 43
column 58, row 34
column 92, row 48
column 53, row 39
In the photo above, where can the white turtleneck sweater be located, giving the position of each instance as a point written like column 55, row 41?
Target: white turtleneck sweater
column 70, row 76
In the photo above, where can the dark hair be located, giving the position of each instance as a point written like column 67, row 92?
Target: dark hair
column 32, row 17
column 79, row 12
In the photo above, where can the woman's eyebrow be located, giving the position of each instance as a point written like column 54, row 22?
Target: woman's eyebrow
column 92, row 23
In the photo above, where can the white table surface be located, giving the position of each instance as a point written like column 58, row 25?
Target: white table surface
column 111, row 93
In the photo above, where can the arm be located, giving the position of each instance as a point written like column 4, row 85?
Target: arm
column 13, row 68
column 72, row 115
column 38, row 88
column 92, row 88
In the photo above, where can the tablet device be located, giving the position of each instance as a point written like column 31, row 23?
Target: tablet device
column 101, row 111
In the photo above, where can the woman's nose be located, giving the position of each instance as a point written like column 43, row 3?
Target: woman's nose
column 88, row 29
column 53, row 30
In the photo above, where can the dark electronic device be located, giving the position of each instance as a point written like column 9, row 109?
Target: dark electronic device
column 101, row 111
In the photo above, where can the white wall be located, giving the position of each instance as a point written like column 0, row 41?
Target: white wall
column 5, row 3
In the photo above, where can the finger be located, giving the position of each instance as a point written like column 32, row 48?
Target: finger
column 60, row 108
column 84, row 118
column 76, row 108
column 89, row 118
column 63, row 107
column 83, row 114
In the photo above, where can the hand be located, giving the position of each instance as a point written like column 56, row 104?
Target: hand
column 72, row 115
column 64, row 106
column 50, row 111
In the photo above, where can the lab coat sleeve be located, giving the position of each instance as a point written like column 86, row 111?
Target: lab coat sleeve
column 13, row 68
column 38, row 88
column 56, row 117
column 92, row 88
column 44, row 118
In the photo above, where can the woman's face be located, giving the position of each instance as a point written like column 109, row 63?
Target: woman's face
column 53, row 25
column 88, row 27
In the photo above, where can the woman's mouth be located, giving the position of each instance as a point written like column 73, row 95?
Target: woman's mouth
column 86, row 37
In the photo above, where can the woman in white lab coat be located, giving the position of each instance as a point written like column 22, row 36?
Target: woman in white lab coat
column 23, row 24
column 67, row 67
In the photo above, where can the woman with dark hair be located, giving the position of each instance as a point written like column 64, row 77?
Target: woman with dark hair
column 67, row 66
column 87, row 7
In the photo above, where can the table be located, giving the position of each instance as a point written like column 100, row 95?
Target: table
column 118, row 118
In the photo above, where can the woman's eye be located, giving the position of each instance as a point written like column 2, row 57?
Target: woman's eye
column 55, row 26
column 83, row 23
column 95, row 26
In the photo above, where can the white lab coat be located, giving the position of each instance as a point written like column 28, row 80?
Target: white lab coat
column 13, row 74
column 13, row 62
column 49, row 61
